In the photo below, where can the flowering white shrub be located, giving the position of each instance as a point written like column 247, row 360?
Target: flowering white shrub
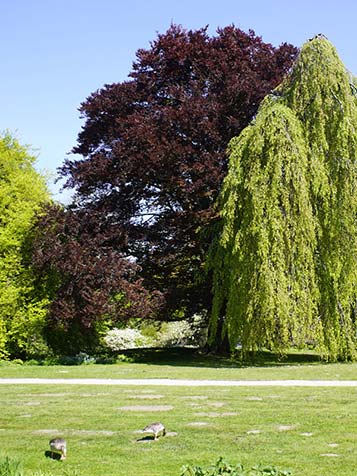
column 191, row 332
column 120, row 339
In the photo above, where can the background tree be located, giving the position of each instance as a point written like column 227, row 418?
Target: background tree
column 154, row 155
column 289, row 207
column 22, row 193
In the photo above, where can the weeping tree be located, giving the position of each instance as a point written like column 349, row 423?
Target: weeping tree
column 285, row 261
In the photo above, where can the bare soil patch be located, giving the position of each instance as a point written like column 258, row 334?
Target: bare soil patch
column 215, row 414
column 286, row 427
column 195, row 397
column 45, row 431
column 92, row 432
column 95, row 394
column 48, row 395
column 147, row 408
column 216, row 404
column 147, row 397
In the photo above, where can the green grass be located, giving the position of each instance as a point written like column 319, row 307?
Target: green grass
column 286, row 427
column 188, row 364
column 291, row 428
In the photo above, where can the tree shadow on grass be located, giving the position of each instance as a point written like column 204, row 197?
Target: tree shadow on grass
column 190, row 357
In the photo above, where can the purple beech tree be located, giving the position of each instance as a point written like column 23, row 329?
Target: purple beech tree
column 153, row 159
column 88, row 277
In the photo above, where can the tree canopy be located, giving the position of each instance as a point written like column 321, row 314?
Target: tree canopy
column 88, row 279
column 23, row 191
column 285, row 263
column 154, row 152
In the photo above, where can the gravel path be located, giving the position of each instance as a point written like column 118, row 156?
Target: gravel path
column 180, row 382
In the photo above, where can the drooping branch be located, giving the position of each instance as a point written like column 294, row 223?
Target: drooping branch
column 288, row 208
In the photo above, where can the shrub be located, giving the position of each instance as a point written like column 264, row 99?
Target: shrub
column 188, row 332
column 226, row 469
column 120, row 339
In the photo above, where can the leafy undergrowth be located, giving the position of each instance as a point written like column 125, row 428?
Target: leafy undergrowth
column 222, row 468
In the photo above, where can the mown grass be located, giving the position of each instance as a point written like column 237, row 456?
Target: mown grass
column 189, row 364
column 311, row 431
column 293, row 428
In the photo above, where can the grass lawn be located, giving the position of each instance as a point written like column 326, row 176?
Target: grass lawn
column 309, row 431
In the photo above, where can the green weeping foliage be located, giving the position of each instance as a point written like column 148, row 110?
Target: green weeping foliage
column 285, row 263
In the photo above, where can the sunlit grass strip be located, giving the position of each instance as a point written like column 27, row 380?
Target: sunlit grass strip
column 310, row 431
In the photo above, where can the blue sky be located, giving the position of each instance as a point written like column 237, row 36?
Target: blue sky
column 54, row 53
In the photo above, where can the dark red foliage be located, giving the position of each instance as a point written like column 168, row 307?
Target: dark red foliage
column 86, row 274
column 154, row 157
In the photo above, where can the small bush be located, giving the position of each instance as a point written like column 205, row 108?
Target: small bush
column 121, row 339
column 188, row 332
column 12, row 362
column 226, row 469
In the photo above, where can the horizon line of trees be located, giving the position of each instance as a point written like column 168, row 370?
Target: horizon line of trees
column 167, row 221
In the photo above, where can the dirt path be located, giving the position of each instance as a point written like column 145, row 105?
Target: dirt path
column 180, row 382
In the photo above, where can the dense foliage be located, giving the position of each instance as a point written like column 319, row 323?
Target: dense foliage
column 22, row 193
column 154, row 158
column 285, row 264
column 89, row 282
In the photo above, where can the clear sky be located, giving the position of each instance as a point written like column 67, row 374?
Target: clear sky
column 54, row 53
